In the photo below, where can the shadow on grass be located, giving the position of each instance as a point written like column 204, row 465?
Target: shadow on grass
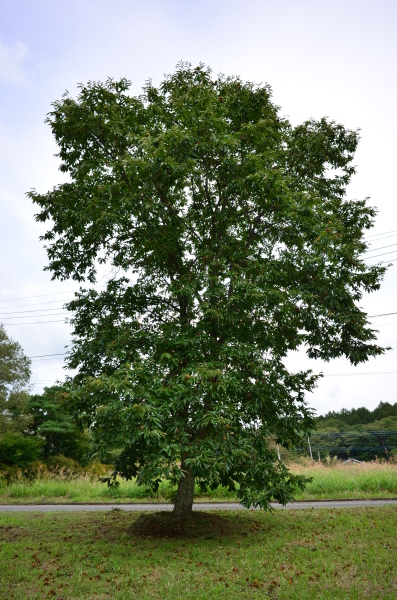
column 199, row 525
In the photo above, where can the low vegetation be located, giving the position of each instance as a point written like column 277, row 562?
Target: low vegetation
column 335, row 480
column 329, row 554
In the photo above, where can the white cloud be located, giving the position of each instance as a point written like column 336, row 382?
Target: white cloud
column 12, row 58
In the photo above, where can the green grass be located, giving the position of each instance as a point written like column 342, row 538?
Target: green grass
column 370, row 480
column 323, row 554
column 84, row 489
column 367, row 480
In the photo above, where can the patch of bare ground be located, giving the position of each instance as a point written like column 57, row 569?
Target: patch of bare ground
column 198, row 525
column 10, row 533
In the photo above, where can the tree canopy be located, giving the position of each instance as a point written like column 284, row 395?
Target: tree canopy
column 231, row 243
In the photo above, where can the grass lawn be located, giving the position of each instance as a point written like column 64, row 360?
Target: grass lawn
column 321, row 554
column 370, row 480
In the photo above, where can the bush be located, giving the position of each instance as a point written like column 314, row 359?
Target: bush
column 19, row 450
column 30, row 472
column 97, row 469
column 61, row 463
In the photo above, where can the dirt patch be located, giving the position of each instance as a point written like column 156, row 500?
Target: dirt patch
column 197, row 525
column 9, row 533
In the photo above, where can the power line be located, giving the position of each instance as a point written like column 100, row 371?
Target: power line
column 349, row 433
column 383, row 262
column 380, row 248
column 352, row 374
column 21, row 312
column 40, row 296
column 383, row 233
column 30, row 316
column 37, row 322
column 55, row 358
column 43, row 355
column 385, row 237
column 383, row 254
column 52, row 370
column 381, row 315
column 43, row 381
column 38, row 304
column 52, row 294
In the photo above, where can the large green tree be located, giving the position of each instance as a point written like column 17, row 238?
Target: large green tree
column 232, row 243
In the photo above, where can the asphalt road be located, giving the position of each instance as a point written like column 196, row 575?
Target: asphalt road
column 197, row 506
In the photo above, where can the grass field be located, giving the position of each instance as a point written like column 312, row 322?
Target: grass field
column 302, row 555
column 370, row 480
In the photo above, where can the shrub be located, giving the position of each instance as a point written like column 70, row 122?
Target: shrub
column 19, row 450
column 61, row 463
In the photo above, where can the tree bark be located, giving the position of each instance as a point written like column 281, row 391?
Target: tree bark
column 185, row 494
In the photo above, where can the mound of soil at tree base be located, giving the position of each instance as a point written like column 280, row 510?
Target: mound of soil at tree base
column 197, row 525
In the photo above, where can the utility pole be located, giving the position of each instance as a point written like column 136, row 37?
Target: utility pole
column 310, row 448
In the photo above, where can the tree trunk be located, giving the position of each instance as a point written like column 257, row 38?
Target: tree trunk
column 185, row 494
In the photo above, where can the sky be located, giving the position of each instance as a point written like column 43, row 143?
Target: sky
column 334, row 59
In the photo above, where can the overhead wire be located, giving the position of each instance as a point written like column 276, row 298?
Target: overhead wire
column 30, row 316
column 385, row 237
column 54, row 358
column 43, row 381
column 383, row 254
column 39, row 296
column 380, row 248
column 44, row 355
column 60, row 369
column 352, row 374
column 51, row 294
column 383, row 262
column 381, row 233
column 38, row 322
column 382, row 315
column 22, row 312
column 37, row 303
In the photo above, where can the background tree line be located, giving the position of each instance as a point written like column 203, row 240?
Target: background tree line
column 357, row 433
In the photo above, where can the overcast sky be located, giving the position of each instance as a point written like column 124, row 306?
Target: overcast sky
column 321, row 58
